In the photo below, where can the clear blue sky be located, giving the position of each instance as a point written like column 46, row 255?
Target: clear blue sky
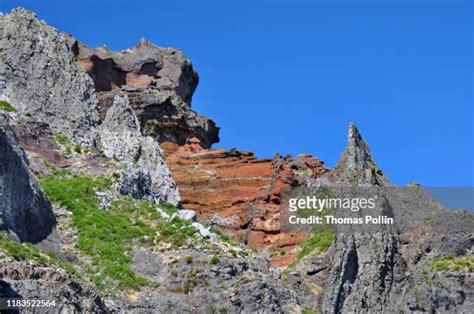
column 289, row 76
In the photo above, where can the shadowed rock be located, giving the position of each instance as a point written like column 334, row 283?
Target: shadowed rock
column 25, row 211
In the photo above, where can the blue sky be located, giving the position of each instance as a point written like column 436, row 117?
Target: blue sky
column 289, row 76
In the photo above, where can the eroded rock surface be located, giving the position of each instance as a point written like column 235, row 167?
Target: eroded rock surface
column 26, row 280
column 25, row 212
column 41, row 78
column 159, row 83
column 146, row 176
column 239, row 192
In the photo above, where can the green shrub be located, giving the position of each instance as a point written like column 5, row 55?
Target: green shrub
column 215, row 260
column 464, row 263
column 5, row 106
column 189, row 259
column 29, row 252
column 61, row 139
column 318, row 243
column 77, row 149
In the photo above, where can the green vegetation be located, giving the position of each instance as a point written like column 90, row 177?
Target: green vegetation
column 215, row 260
column 189, row 259
column 61, row 139
column 222, row 236
column 108, row 236
column 29, row 252
column 77, row 149
column 308, row 311
column 318, row 243
column 464, row 263
column 152, row 126
column 5, row 106
column 68, row 146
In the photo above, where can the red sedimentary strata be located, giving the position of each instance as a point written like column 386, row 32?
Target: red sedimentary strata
column 239, row 193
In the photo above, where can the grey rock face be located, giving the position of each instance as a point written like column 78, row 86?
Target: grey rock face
column 356, row 166
column 27, row 280
column 146, row 175
column 149, row 178
column 24, row 209
column 234, row 285
column 120, row 132
column 41, row 77
column 384, row 270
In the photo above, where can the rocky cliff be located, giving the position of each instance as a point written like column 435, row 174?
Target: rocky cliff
column 107, row 169
column 240, row 193
column 25, row 212
column 39, row 77
column 159, row 83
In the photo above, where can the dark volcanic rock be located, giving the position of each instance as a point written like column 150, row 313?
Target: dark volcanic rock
column 159, row 82
column 24, row 209
column 356, row 166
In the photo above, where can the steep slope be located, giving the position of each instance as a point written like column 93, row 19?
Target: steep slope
column 373, row 270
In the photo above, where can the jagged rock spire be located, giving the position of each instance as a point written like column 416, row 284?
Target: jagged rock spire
column 356, row 165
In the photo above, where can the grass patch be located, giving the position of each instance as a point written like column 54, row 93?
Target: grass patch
column 108, row 236
column 5, row 106
column 62, row 139
column 29, row 252
column 464, row 263
column 215, row 260
column 318, row 243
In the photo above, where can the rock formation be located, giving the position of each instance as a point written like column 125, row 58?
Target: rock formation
column 371, row 270
column 159, row 83
column 25, row 212
column 90, row 123
column 41, row 78
column 238, row 192
column 356, row 165
column 146, row 175
column 39, row 282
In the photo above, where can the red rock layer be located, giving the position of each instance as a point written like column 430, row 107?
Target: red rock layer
column 239, row 193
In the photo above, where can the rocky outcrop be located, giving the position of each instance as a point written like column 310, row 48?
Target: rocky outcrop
column 41, row 78
column 25, row 211
column 159, row 83
column 146, row 176
column 30, row 281
column 381, row 269
column 239, row 193
column 356, row 166
column 120, row 132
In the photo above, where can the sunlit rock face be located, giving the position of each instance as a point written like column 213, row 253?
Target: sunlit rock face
column 41, row 78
